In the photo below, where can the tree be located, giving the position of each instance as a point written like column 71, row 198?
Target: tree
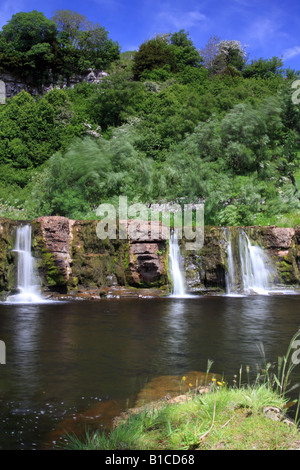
column 10, row 58
column 70, row 24
column 116, row 99
column 84, row 45
column 230, row 57
column 32, row 130
column 26, row 30
column 169, row 51
column 98, row 50
column 184, row 50
column 251, row 135
column 264, row 68
column 40, row 56
column 91, row 171
column 209, row 52
column 27, row 44
column 153, row 54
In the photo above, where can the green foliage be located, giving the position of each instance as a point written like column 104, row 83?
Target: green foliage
column 170, row 53
column 153, row 54
column 97, row 50
column 40, row 55
column 31, row 130
column 91, row 172
column 32, row 45
column 115, row 100
column 166, row 117
column 10, row 58
column 264, row 68
column 26, row 30
column 161, row 126
column 157, row 75
column 83, row 44
column 28, row 44
column 250, row 135
column 229, row 58
column 185, row 53
column 70, row 25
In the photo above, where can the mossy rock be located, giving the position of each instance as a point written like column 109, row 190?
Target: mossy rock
column 8, row 263
column 48, row 269
column 94, row 259
column 206, row 268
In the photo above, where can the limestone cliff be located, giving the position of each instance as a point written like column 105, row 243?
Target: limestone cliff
column 14, row 84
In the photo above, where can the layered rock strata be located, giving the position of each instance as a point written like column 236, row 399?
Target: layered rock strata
column 72, row 259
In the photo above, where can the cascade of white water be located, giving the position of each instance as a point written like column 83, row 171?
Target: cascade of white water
column 231, row 287
column 27, row 281
column 254, row 271
column 175, row 269
column 251, row 266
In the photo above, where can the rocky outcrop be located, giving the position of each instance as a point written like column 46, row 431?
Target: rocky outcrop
column 147, row 253
column 7, row 257
column 205, row 269
column 15, row 84
column 73, row 259
column 283, row 246
column 52, row 238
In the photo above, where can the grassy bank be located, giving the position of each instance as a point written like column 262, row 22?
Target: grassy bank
column 225, row 418
column 241, row 416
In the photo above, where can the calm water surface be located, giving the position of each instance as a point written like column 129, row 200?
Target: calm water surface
column 78, row 363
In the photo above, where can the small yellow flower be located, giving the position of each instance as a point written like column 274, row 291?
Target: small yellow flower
column 190, row 385
column 184, row 378
column 219, row 383
column 213, row 380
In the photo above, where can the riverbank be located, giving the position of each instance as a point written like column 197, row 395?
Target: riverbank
column 213, row 415
column 221, row 418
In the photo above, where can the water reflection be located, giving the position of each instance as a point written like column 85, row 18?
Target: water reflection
column 176, row 325
column 27, row 329
column 244, row 326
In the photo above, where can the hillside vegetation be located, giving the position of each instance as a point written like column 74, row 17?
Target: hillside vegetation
column 169, row 123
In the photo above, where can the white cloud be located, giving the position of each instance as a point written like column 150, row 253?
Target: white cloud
column 179, row 19
column 262, row 30
column 292, row 52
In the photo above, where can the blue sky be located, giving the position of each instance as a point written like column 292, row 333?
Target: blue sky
column 268, row 28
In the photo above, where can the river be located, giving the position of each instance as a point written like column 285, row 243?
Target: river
column 74, row 365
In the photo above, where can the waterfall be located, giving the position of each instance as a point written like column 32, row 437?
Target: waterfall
column 27, row 281
column 249, row 270
column 254, row 270
column 231, row 286
column 175, row 269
